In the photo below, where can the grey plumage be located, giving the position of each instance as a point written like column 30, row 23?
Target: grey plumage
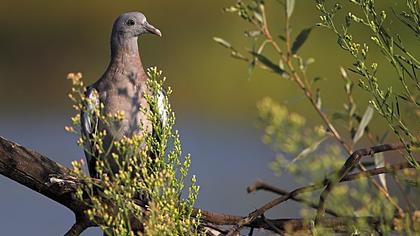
column 121, row 88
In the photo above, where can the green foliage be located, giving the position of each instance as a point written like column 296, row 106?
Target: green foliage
column 406, row 66
column 286, row 131
column 152, row 170
column 312, row 152
column 300, row 39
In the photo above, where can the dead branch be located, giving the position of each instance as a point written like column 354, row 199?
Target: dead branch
column 350, row 163
column 259, row 185
column 56, row 182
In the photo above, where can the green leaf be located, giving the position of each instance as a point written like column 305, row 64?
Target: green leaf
column 233, row 52
column 258, row 16
column 251, row 67
column 282, row 38
column 222, row 42
column 316, row 79
column 300, row 39
column 268, row 63
column 380, row 162
column 363, row 123
column 309, row 61
column 318, row 99
column 309, row 150
column 339, row 116
column 237, row 55
column 290, row 6
column 230, row 9
column 252, row 33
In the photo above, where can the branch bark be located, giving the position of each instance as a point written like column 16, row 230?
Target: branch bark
column 44, row 176
column 38, row 173
column 350, row 163
column 55, row 181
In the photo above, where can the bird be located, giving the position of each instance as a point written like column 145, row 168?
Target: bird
column 121, row 88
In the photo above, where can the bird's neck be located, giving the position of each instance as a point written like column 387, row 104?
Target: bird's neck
column 125, row 57
column 123, row 47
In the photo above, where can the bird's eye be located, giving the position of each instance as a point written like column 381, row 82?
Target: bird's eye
column 130, row 22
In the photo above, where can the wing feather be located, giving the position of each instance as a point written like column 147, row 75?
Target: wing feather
column 89, row 125
column 163, row 112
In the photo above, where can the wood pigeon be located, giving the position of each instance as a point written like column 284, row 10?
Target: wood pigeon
column 121, row 88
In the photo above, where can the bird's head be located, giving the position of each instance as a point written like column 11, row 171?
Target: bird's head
column 132, row 25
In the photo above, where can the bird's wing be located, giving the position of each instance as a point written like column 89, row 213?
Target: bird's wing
column 163, row 112
column 89, row 125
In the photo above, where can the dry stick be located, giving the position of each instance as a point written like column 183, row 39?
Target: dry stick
column 275, row 229
column 348, row 165
column 35, row 171
column 378, row 171
column 78, row 227
column 251, row 231
column 46, row 177
column 374, row 140
column 350, row 161
column 259, row 185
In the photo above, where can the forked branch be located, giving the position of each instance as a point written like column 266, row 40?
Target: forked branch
column 56, row 182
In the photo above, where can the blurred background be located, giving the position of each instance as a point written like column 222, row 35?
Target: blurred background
column 42, row 41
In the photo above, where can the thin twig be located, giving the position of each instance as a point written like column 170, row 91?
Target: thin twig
column 378, row 171
column 259, row 185
column 274, row 227
column 350, row 162
column 78, row 227
column 347, row 167
column 34, row 170
column 251, row 231
column 308, row 93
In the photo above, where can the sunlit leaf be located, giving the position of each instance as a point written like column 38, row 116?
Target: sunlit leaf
column 380, row 162
column 233, row 52
column 309, row 61
column 230, row 9
column 222, row 42
column 363, row 123
column 300, row 39
column 269, row 64
column 258, row 16
column 237, row 55
column 318, row 99
column 339, row 116
column 252, row 33
column 309, row 149
column 290, row 6
column 343, row 72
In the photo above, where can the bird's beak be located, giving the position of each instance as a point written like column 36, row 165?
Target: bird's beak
column 151, row 29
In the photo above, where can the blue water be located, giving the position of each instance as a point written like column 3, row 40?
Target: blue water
column 226, row 157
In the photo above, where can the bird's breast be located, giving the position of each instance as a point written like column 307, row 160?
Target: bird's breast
column 127, row 97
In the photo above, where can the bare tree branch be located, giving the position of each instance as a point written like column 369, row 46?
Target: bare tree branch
column 351, row 162
column 38, row 173
column 55, row 181
column 78, row 227
column 259, row 185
